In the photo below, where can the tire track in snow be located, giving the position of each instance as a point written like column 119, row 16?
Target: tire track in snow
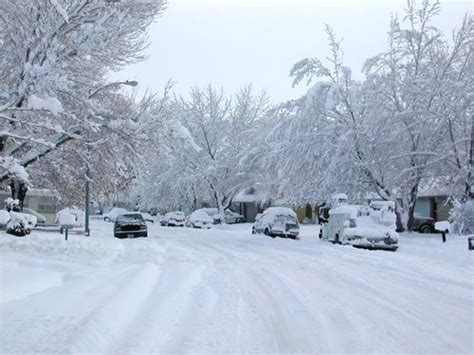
column 37, row 318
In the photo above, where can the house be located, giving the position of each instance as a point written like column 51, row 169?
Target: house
column 307, row 213
column 249, row 202
column 436, row 207
column 433, row 201
column 246, row 203
column 43, row 201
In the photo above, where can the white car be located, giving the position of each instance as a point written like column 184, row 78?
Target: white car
column 30, row 219
column 112, row 215
column 174, row 219
column 147, row 217
column 214, row 214
column 40, row 219
column 346, row 225
column 233, row 217
column 277, row 222
column 200, row 219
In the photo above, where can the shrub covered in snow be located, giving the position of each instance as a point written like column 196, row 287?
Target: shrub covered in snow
column 18, row 225
column 12, row 205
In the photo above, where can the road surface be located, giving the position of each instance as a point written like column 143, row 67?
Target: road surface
column 226, row 290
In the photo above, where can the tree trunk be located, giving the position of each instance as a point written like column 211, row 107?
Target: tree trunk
column 399, row 222
column 19, row 190
column 411, row 217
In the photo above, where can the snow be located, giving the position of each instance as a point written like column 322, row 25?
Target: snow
column 443, row 226
column 243, row 197
column 371, row 233
column 14, row 168
column 349, row 210
column 114, row 213
column 50, row 104
column 63, row 217
column 276, row 211
column 4, row 217
column 200, row 216
column 174, row 215
column 226, row 290
column 61, row 11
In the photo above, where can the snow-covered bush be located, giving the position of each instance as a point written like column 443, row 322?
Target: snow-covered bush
column 462, row 217
column 12, row 205
column 18, row 225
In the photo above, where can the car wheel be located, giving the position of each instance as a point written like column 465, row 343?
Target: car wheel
column 254, row 231
column 426, row 228
column 106, row 219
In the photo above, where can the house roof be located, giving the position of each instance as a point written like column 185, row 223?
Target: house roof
column 249, row 195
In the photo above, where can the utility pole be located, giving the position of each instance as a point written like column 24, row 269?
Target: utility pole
column 86, row 224
column 470, row 176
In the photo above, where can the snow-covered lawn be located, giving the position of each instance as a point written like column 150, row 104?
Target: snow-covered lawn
column 226, row 290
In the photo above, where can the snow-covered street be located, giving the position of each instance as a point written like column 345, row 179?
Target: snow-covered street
column 226, row 290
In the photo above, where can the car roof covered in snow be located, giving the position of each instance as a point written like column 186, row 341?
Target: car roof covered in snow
column 280, row 211
column 345, row 209
column 201, row 216
column 175, row 213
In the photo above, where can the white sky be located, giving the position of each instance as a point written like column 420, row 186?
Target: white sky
column 231, row 43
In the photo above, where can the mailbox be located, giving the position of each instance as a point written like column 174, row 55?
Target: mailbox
column 66, row 222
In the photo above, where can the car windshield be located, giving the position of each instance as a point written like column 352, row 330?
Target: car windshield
column 135, row 217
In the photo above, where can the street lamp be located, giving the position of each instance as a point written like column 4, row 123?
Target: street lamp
column 132, row 83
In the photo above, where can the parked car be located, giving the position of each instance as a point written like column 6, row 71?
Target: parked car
column 130, row 225
column 147, row 217
column 423, row 224
column 347, row 225
column 40, row 219
column 214, row 214
column 200, row 219
column 233, row 217
column 174, row 219
column 31, row 220
column 277, row 222
column 112, row 215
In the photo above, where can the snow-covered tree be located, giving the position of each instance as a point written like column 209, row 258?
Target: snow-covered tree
column 208, row 136
column 55, row 59
column 401, row 125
